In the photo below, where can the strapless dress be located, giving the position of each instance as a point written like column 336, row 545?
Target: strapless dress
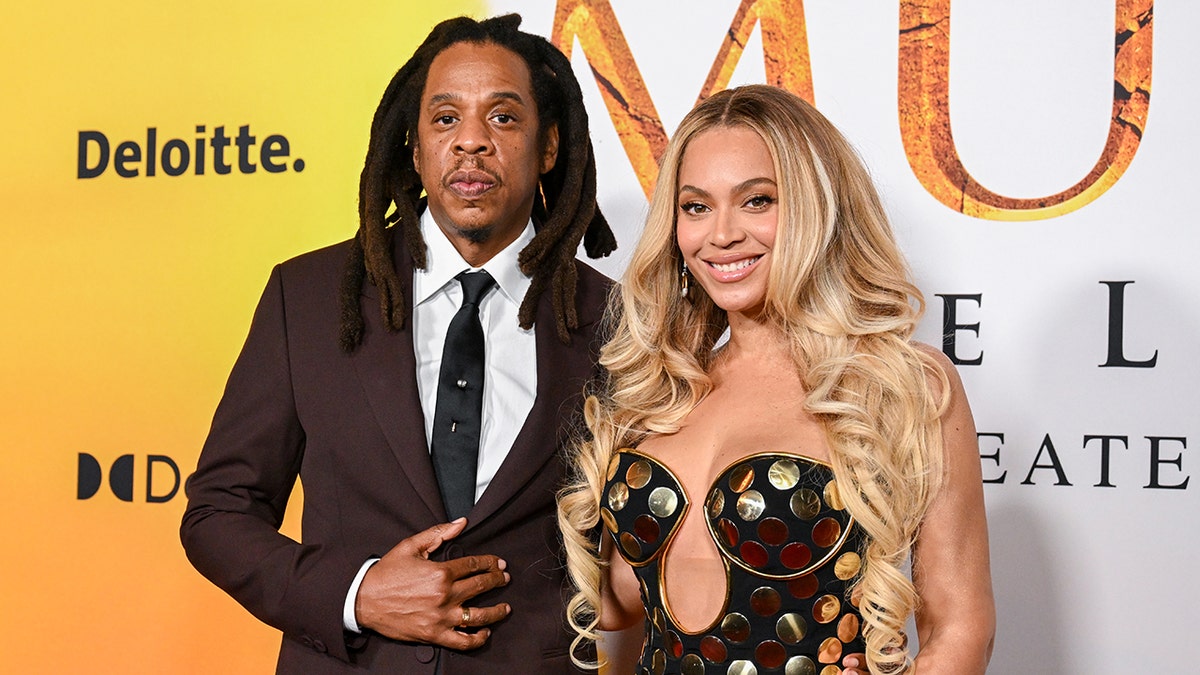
column 789, row 550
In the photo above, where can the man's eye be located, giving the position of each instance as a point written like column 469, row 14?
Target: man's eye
column 444, row 119
column 503, row 118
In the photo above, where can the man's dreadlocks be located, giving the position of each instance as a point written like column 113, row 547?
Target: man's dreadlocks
column 565, row 209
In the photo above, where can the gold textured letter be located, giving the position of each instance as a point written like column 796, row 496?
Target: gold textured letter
column 924, row 102
column 785, row 54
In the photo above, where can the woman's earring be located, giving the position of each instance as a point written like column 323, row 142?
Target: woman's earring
column 683, row 281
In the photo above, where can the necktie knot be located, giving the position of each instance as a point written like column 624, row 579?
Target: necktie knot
column 474, row 285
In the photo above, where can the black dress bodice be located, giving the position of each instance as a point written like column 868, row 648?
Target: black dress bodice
column 789, row 550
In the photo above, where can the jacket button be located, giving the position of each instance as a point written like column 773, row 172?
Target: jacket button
column 319, row 646
column 306, row 641
column 454, row 552
column 425, row 653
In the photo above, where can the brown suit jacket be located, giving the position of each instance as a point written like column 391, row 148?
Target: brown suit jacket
column 351, row 427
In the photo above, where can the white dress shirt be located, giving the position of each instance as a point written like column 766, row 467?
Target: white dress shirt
column 510, row 353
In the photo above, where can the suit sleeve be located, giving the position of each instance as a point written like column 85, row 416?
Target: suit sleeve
column 236, row 498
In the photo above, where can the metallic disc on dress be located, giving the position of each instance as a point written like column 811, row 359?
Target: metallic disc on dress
column 741, row 478
column 832, row 497
column 716, row 503
column 800, row 665
column 613, row 465
column 691, row 665
column 638, row 474
column 791, row 628
column 847, row 566
column 663, row 502
column 631, row 545
column 795, row 556
column 784, row 474
column 618, row 495
column 672, row 644
column 735, row 628
column 658, row 662
column 660, row 620
column 826, row 609
column 765, row 601
column 773, row 531
column 805, row 504
column 646, row 528
column 750, row 505
column 804, row 587
column 713, row 649
column 826, row 532
column 847, row 628
column 754, row 554
column 741, row 667
column 831, row 670
column 728, row 532
column 770, row 654
column 830, row 651
column 610, row 521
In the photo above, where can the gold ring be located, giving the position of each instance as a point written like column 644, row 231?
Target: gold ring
column 466, row 617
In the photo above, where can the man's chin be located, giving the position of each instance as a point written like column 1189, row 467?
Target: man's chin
column 465, row 220
column 477, row 223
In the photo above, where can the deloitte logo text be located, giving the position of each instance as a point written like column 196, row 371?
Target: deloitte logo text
column 130, row 159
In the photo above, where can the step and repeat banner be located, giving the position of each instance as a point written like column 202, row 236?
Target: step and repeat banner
column 1037, row 160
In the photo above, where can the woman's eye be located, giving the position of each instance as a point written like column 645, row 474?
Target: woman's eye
column 693, row 208
column 760, row 201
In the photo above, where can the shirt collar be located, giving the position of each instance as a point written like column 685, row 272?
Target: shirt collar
column 443, row 262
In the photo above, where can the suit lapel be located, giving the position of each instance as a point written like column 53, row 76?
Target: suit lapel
column 387, row 368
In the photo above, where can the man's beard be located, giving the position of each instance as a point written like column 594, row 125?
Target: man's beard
column 475, row 235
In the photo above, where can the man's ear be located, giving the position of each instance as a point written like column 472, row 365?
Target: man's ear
column 416, row 150
column 550, row 148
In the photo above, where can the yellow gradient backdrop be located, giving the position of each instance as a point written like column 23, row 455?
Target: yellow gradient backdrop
column 125, row 300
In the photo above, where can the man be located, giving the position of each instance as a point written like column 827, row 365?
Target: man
column 390, row 429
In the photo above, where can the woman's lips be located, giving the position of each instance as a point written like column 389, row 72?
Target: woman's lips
column 732, row 270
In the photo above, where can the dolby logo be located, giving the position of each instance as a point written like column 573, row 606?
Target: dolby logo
column 161, row 478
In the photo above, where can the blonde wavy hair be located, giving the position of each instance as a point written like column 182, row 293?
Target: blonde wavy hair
column 839, row 288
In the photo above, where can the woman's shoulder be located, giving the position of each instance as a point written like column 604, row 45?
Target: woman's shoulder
column 940, row 370
column 937, row 355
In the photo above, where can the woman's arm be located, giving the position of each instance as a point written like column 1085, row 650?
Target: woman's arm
column 620, row 593
column 956, row 617
column 620, row 609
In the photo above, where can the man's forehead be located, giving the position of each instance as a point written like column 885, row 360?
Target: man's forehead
column 478, row 67
column 457, row 97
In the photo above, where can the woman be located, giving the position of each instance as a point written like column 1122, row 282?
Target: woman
column 761, row 498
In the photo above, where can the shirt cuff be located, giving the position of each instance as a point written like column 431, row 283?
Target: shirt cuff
column 349, row 620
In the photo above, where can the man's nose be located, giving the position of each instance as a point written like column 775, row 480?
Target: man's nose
column 473, row 138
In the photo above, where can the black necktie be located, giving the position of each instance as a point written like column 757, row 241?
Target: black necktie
column 458, row 414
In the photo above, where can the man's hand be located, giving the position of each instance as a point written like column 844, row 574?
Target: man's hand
column 406, row 596
column 855, row 664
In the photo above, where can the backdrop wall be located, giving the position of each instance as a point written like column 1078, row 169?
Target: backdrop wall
column 156, row 160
